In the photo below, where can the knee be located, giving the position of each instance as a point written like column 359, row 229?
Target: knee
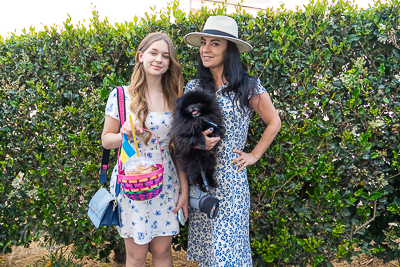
column 161, row 252
column 135, row 258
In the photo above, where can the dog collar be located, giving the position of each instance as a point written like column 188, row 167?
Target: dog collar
column 213, row 124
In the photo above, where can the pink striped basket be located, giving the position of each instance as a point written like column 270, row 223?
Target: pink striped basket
column 143, row 186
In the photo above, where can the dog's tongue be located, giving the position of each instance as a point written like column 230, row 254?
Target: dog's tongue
column 194, row 112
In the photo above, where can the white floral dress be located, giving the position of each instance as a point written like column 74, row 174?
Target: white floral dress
column 224, row 240
column 144, row 220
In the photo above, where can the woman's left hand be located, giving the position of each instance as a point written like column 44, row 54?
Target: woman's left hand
column 244, row 159
column 183, row 203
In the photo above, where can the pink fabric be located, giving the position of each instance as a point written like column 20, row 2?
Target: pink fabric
column 121, row 105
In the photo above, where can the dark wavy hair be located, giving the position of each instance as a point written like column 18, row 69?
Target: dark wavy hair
column 235, row 72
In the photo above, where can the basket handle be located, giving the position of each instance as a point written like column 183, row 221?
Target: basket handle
column 119, row 149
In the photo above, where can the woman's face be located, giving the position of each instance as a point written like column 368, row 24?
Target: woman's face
column 212, row 52
column 155, row 58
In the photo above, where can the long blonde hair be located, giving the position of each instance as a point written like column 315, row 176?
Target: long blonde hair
column 171, row 81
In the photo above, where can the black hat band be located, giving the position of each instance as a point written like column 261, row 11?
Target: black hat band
column 215, row 32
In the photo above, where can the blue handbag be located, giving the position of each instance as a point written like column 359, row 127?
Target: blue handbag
column 103, row 207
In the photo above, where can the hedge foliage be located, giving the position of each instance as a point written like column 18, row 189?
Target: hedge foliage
column 326, row 189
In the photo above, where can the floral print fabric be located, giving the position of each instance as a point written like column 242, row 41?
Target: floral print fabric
column 144, row 220
column 224, row 240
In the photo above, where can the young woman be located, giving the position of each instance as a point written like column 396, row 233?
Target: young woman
column 155, row 83
column 224, row 241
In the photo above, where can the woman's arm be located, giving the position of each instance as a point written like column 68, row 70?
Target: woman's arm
column 183, row 201
column 263, row 106
column 111, row 138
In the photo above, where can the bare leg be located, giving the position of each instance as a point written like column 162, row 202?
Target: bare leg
column 160, row 248
column 135, row 254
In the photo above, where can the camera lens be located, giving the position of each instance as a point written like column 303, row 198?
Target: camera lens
column 209, row 205
column 214, row 211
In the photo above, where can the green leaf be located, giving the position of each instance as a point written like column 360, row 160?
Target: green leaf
column 286, row 137
column 358, row 192
column 296, row 138
column 43, row 172
column 374, row 155
column 381, row 69
column 353, row 37
column 356, row 92
column 375, row 195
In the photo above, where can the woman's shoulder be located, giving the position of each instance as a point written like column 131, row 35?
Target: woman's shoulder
column 192, row 85
column 113, row 97
column 258, row 87
column 114, row 91
column 113, row 102
column 126, row 91
column 193, row 82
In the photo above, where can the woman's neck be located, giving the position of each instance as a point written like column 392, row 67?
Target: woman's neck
column 155, row 98
column 218, row 77
column 154, row 84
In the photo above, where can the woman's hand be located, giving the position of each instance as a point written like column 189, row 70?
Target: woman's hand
column 183, row 203
column 210, row 141
column 127, row 129
column 243, row 160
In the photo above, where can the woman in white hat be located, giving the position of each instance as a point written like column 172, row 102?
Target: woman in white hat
column 224, row 241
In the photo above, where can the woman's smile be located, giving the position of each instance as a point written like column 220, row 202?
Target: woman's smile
column 212, row 52
column 156, row 58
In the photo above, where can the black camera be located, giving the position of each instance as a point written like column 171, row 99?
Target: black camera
column 203, row 201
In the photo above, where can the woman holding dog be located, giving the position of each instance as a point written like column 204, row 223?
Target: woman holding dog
column 224, row 241
column 155, row 83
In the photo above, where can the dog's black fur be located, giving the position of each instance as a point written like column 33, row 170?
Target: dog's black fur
column 190, row 115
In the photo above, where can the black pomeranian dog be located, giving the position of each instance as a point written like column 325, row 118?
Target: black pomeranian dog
column 195, row 112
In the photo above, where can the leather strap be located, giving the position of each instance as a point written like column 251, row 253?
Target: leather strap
column 105, row 159
column 204, row 177
column 121, row 105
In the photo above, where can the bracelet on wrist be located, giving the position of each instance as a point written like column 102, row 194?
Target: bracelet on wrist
column 186, row 187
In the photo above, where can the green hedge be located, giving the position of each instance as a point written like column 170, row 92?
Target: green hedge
column 326, row 189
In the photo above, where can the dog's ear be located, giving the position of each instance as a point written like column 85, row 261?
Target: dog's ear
column 178, row 103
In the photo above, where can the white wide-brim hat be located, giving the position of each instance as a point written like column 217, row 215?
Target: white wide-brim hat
column 222, row 27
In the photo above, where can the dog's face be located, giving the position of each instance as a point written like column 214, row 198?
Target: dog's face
column 196, row 109
column 196, row 104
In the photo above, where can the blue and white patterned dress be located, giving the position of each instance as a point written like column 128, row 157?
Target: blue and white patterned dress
column 144, row 220
column 224, row 240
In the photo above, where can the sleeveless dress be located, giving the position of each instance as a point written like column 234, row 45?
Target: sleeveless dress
column 224, row 240
column 144, row 220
